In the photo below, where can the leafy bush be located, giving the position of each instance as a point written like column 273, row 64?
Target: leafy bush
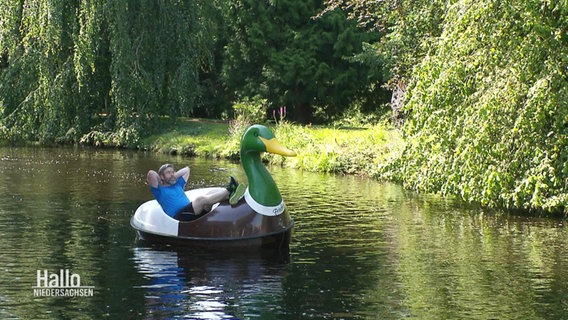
column 353, row 151
column 247, row 112
column 250, row 111
column 124, row 137
column 489, row 107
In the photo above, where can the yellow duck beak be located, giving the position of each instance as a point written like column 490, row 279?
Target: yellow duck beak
column 273, row 146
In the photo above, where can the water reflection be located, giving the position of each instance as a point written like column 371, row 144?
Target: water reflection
column 360, row 249
column 465, row 263
column 197, row 284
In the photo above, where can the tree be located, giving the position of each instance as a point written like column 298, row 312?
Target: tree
column 98, row 69
column 488, row 110
column 279, row 50
column 487, row 96
column 410, row 29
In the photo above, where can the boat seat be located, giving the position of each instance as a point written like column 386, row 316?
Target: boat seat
column 185, row 216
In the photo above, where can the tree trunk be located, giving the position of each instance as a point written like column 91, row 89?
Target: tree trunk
column 303, row 111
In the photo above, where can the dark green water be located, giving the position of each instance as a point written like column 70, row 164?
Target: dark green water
column 360, row 249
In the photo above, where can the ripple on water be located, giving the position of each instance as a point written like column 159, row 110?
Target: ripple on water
column 360, row 249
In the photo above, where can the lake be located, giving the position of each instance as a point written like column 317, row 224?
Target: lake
column 360, row 249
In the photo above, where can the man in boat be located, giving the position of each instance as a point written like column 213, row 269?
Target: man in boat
column 167, row 186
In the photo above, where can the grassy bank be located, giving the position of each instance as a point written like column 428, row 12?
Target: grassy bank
column 371, row 150
column 190, row 137
column 354, row 150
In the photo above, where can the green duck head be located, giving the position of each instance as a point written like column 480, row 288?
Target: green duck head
column 262, row 188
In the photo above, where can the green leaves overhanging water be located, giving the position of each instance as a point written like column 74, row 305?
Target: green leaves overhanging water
column 69, row 68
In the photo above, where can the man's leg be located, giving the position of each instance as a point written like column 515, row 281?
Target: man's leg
column 205, row 202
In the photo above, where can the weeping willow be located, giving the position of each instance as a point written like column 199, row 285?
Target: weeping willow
column 98, row 71
column 488, row 108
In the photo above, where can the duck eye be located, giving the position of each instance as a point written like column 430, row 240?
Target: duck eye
column 256, row 134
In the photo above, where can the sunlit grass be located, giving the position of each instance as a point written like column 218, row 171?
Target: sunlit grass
column 355, row 150
column 360, row 150
column 190, row 137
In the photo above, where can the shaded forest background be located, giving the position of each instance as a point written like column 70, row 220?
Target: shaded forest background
column 478, row 88
column 76, row 68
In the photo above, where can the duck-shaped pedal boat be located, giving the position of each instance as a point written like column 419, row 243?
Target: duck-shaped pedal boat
column 258, row 220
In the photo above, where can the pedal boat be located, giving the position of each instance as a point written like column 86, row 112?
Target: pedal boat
column 258, row 220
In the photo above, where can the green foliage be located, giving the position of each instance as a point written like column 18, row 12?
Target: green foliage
column 98, row 71
column 353, row 117
column 204, row 138
column 354, row 151
column 284, row 54
column 123, row 137
column 409, row 29
column 251, row 111
column 247, row 112
column 361, row 150
column 488, row 107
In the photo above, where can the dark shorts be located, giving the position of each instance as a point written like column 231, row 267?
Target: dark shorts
column 186, row 214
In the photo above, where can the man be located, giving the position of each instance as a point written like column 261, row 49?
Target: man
column 167, row 186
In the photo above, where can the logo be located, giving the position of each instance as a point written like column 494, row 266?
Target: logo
column 278, row 209
column 62, row 284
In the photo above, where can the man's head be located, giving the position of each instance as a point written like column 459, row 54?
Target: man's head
column 167, row 174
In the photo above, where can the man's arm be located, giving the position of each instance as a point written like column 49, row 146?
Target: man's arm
column 183, row 172
column 153, row 179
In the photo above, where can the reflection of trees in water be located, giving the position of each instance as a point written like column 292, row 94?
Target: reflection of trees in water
column 359, row 249
column 209, row 285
